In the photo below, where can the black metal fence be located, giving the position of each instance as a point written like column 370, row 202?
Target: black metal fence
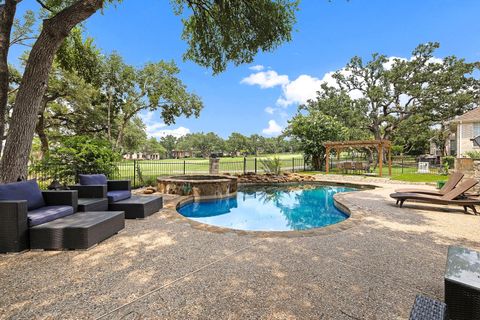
column 400, row 165
column 145, row 172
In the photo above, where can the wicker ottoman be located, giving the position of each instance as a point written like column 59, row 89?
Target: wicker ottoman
column 138, row 206
column 77, row 231
column 92, row 204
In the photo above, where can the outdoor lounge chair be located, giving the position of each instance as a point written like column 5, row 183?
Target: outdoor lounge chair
column 119, row 195
column 31, row 218
column 453, row 197
column 359, row 167
column 452, row 182
column 348, row 166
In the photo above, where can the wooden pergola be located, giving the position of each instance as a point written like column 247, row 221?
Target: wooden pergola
column 380, row 145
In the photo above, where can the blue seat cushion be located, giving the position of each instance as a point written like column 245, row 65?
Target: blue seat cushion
column 23, row 190
column 114, row 196
column 92, row 179
column 47, row 214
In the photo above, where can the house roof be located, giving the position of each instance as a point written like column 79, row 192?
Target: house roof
column 470, row 116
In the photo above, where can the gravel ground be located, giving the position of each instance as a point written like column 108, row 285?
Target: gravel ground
column 162, row 268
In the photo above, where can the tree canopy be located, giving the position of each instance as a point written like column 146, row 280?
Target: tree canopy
column 312, row 131
column 408, row 101
column 217, row 33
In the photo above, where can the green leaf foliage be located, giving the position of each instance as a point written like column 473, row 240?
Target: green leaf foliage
column 76, row 155
column 222, row 31
column 271, row 165
column 312, row 130
column 400, row 99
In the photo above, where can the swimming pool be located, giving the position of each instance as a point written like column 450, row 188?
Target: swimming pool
column 271, row 208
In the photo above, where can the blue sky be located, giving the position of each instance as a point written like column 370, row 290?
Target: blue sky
column 250, row 99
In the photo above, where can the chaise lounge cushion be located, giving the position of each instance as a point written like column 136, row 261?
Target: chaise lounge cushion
column 117, row 195
column 47, row 214
column 23, row 190
column 92, row 179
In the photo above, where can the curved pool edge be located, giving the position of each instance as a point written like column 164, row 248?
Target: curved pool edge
column 355, row 217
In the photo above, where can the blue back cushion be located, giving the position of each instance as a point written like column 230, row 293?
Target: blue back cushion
column 117, row 195
column 23, row 190
column 92, row 179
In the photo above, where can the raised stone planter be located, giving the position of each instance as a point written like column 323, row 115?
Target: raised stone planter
column 270, row 178
column 472, row 170
column 199, row 186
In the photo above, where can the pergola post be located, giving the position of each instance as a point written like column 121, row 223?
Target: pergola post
column 390, row 160
column 327, row 159
column 380, row 159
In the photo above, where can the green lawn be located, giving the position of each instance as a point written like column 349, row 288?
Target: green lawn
column 151, row 169
column 420, row 177
column 408, row 177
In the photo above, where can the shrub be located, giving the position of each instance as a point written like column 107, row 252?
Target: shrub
column 271, row 165
column 75, row 155
column 473, row 154
column 448, row 162
column 397, row 150
column 150, row 181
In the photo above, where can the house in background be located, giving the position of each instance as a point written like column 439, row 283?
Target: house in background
column 450, row 146
column 467, row 132
column 180, row 154
column 142, row 156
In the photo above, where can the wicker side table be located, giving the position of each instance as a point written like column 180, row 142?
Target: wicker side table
column 462, row 283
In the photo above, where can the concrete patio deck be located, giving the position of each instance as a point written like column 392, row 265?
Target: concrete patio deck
column 162, row 268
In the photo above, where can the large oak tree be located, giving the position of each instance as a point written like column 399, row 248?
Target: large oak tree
column 217, row 32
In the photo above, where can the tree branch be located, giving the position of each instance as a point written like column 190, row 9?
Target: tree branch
column 44, row 6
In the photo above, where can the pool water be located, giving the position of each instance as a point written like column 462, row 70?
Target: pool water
column 271, row 208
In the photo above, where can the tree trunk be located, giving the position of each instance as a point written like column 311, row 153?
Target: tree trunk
column 317, row 161
column 121, row 132
column 7, row 14
column 119, row 140
column 40, row 130
column 34, row 83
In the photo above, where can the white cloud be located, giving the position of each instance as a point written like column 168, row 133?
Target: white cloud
column 305, row 87
column 266, row 79
column 435, row 60
column 178, row 132
column 391, row 60
column 280, row 111
column 299, row 90
column 258, row 67
column 273, row 128
column 157, row 129
column 269, row 110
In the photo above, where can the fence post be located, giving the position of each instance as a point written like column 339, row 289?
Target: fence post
column 134, row 171
column 402, row 164
column 184, row 167
column 304, row 165
column 255, row 165
column 244, row 165
column 293, row 165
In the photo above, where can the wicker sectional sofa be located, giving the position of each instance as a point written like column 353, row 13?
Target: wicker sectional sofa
column 119, row 196
column 31, row 218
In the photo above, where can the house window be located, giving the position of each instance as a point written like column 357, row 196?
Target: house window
column 476, row 129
